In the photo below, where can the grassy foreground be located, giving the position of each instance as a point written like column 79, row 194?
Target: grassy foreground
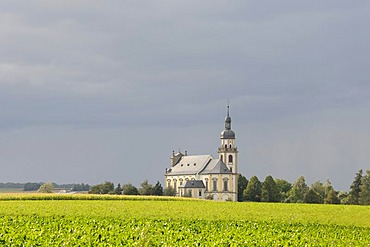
column 154, row 221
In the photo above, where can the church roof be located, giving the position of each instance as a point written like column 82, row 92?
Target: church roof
column 227, row 134
column 194, row 184
column 202, row 164
column 191, row 164
column 216, row 167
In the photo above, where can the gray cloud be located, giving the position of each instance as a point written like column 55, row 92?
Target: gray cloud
column 134, row 80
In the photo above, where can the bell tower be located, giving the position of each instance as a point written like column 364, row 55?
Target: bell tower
column 228, row 151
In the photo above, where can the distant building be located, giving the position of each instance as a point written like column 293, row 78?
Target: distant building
column 202, row 176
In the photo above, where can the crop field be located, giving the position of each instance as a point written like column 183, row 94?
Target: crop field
column 80, row 220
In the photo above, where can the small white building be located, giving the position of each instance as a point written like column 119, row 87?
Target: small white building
column 202, row 176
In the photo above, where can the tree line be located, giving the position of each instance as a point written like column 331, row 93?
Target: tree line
column 128, row 189
column 280, row 190
column 270, row 190
column 32, row 186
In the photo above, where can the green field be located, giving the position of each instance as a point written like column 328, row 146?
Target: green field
column 73, row 220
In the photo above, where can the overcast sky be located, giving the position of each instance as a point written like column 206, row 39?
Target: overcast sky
column 105, row 90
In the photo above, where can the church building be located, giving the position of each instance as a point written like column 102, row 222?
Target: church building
column 202, row 176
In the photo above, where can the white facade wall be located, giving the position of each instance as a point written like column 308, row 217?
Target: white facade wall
column 220, row 194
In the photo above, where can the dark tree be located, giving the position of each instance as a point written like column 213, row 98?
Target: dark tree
column 118, row 190
column 312, row 197
column 253, row 190
column 31, row 186
column 96, row 189
column 81, row 187
column 158, row 189
column 319, row 189
column 270, row 191
column 283, row 187
column 129, row 189
column 354, row 192
column 12, row 185
column 105, row 188
column 364, row 196
column 242, row 185
column 332, row 197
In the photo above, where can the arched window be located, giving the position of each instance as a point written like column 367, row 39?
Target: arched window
column 225, row 145
column 226, row 183
column 222, row 157
column 214, row 184
column 230, row 158
column 230, row 145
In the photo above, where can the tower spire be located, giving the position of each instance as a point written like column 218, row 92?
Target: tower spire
column 228, row 107
column 228, row 118
column 227, row 152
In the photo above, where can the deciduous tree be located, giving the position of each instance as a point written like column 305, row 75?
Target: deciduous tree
column 242, row 185
column 332, row 197
column 81, row 187
column 298, row 190
column 319, row 190
column 129, row 189
column 283, row 187
column 270, row 191
column 343, row 197
column 328, row 186
column 312, row 196
column 169, row 191
column 46, row 188
column 364, row 196
column 146, row 188
column 354, row 192
column 104, row 188
column 253, row 190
